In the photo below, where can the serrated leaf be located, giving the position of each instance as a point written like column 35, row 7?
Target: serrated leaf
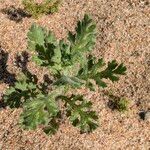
column 60, row 55
column 72, row 67
column 47, row 48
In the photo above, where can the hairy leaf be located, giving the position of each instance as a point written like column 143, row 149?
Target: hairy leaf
column 39, row 111
column 47, row 47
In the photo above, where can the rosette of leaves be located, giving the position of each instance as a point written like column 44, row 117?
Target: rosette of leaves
column 36, row 9
column 72, row 66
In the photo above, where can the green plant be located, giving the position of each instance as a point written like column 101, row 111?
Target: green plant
column 119, row 103
column 36, row 9
column 71, row 66
column 78, row 109
column 122, row 104
column 39, row 106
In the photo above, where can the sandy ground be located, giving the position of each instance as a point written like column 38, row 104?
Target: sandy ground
column 123, row 34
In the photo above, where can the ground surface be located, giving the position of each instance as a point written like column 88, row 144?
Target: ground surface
column 123, row 34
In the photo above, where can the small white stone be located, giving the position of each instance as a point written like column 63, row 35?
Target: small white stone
column 147, row 116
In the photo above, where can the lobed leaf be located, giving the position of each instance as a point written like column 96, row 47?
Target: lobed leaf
column 36, row 36
column 39, row 111
column 71, row 66
column 94, row 70
column 22, row 91
column 80, row 114
column 113, row 70
column 85, row 37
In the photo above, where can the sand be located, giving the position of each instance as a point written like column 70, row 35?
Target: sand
column 123, row 34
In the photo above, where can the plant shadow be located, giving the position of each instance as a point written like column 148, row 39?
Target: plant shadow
column 5, row 75
column 15, row 14
column 112, row 101
column 119, row 103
